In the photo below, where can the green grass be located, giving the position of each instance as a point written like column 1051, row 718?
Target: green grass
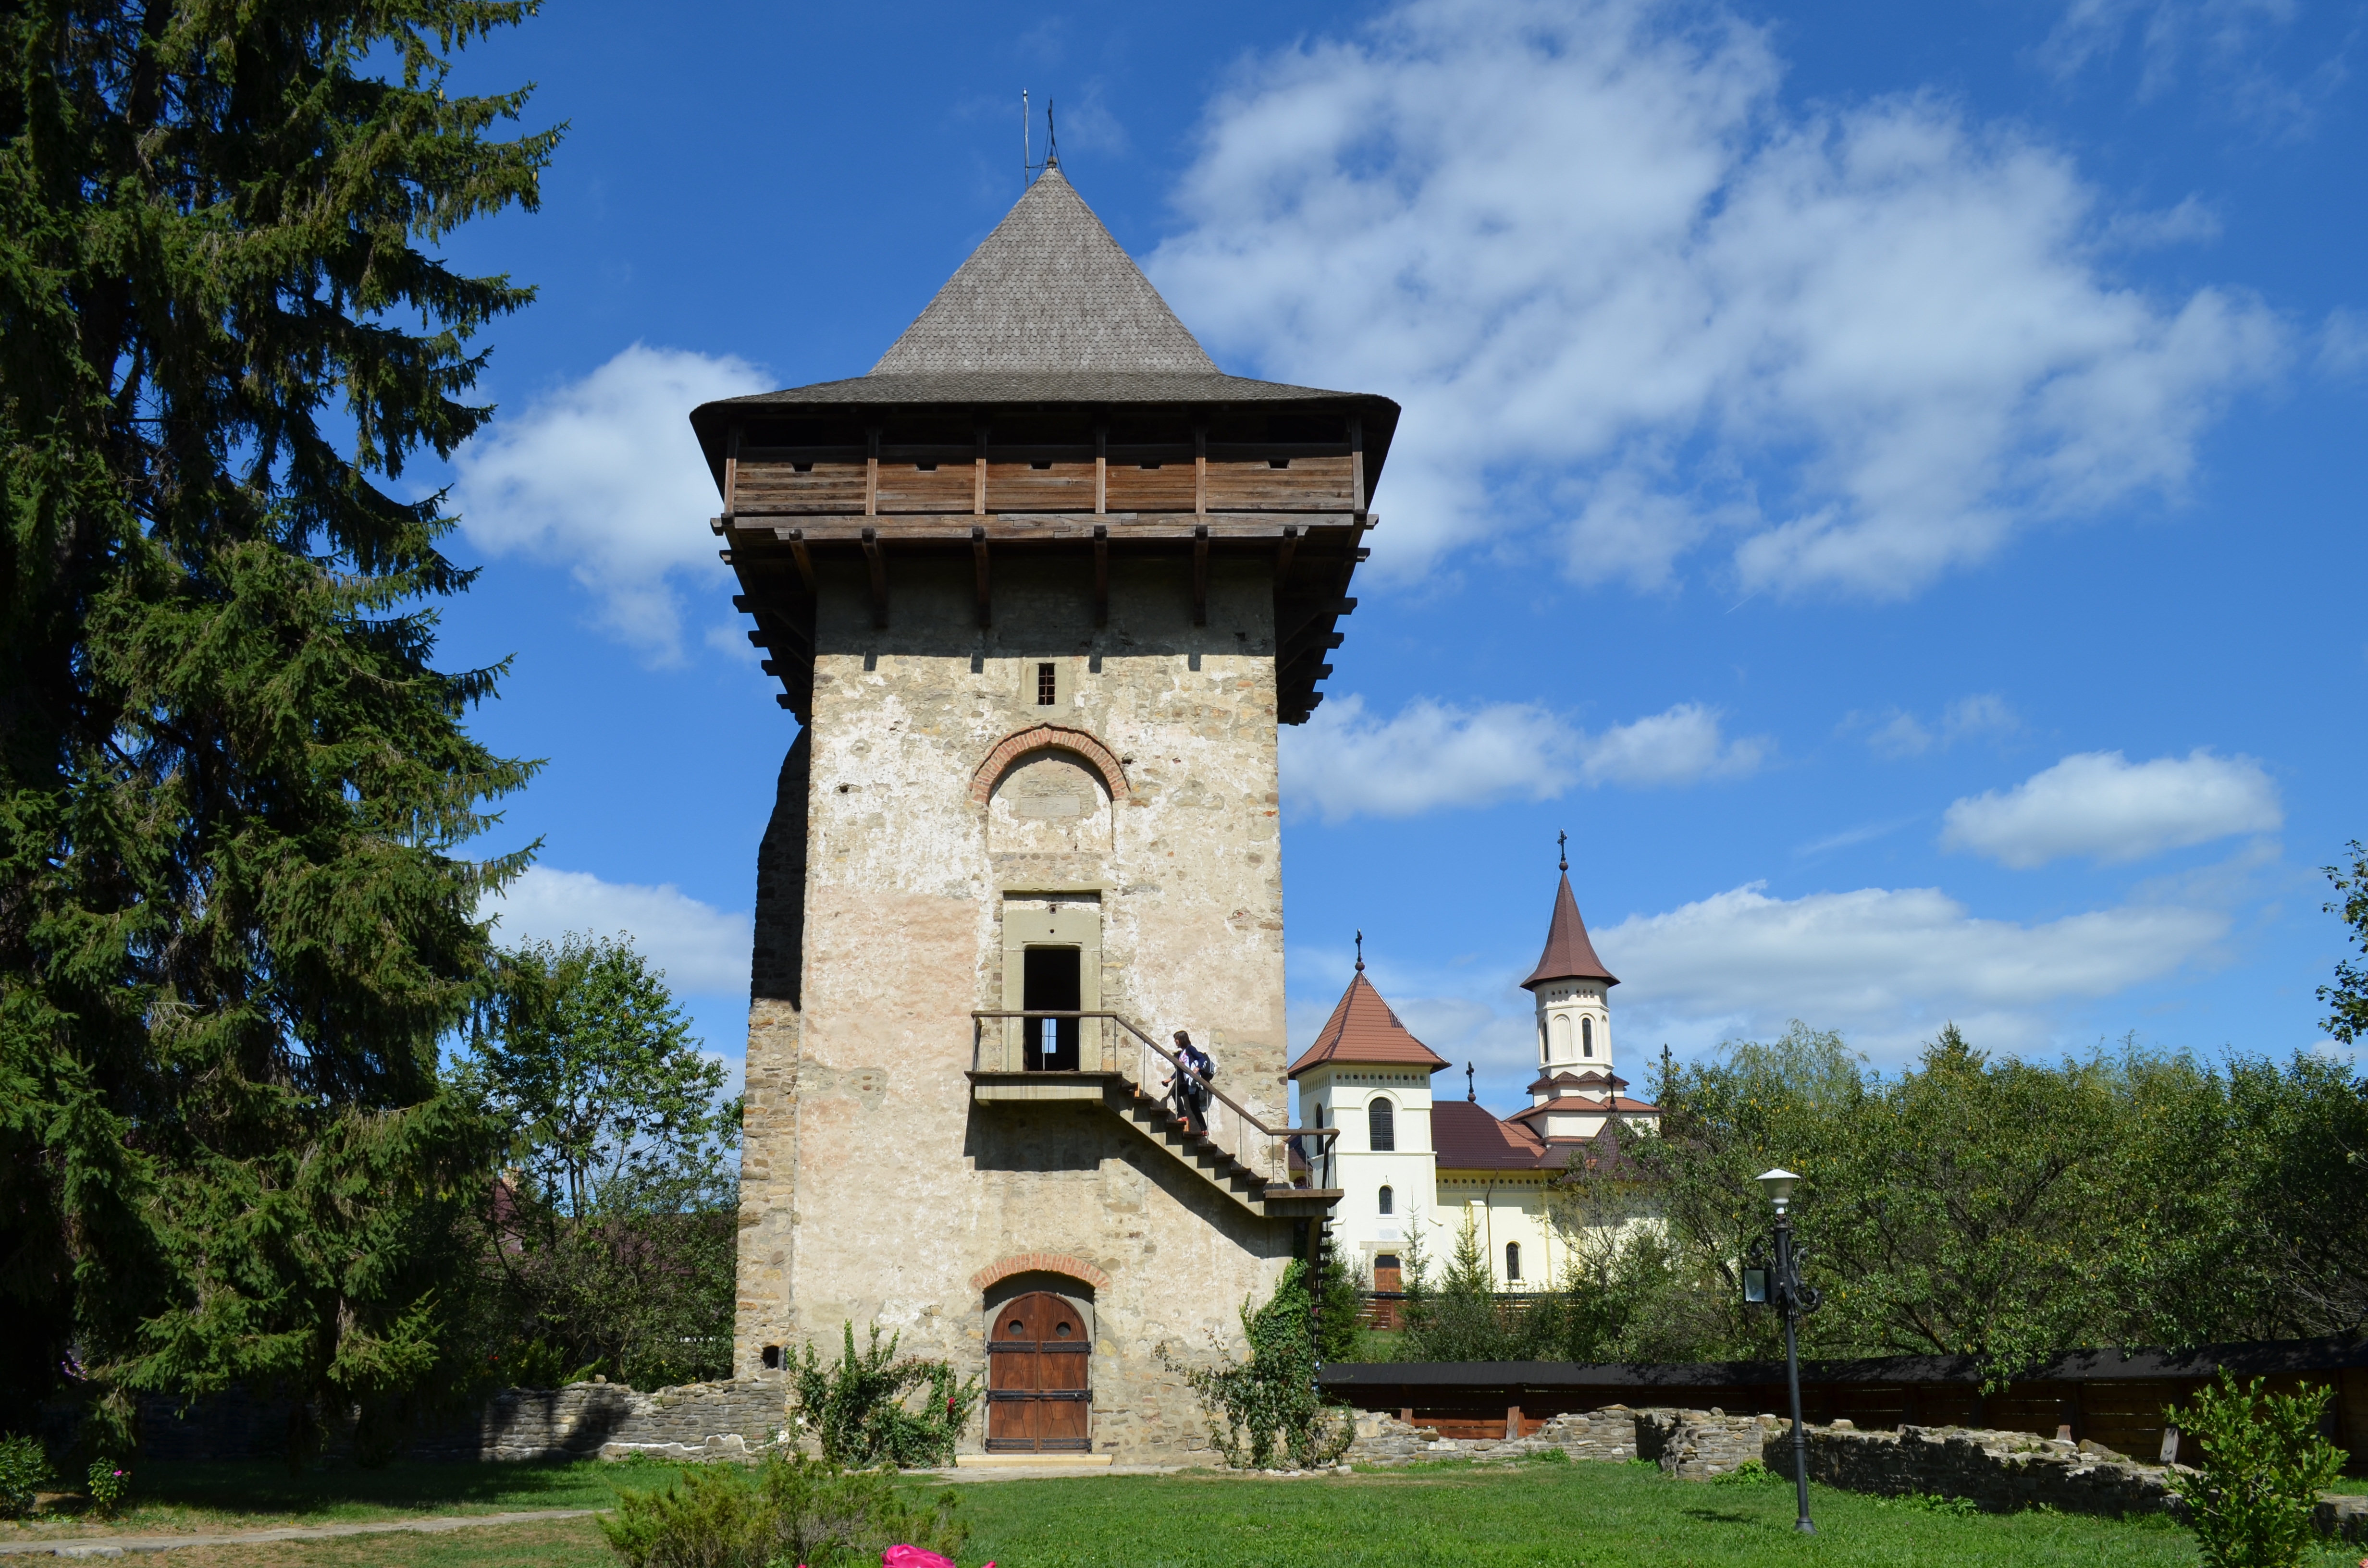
column 1524, row 1516
column 261, row 1495
column 1461, row 1514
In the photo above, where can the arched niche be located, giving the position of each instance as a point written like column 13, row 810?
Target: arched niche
column 1050, row 802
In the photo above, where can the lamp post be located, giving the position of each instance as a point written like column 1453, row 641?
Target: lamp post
column 1791, row 1298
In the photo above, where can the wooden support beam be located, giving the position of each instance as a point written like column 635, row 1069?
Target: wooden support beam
column 879, row 578
column 1101, row 467
column 1101, row 574
column 731, row 468
column 871, row 471
column 1356, row 462
column 1308, row 615
column 1200, row 574
column 796, row 540
column 1285, row 552
column 978, row 570
column 1200, row 471
column 978, row 477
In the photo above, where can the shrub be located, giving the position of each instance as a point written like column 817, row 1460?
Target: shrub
column 1750, row 1473
column 855, row 1410
column 797, row 1510
column 1266, row 1407
column 2249, row 1502
column 23, row 1469
column 107, row 1483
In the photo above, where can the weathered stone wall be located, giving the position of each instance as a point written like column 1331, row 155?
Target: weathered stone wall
column 881, row 1189
column 697, row 1420
column 768, row 1124
column 1608, row 1435
column 2002, row 1471
column 1695, row 1445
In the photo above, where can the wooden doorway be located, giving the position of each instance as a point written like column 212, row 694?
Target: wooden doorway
column 1038, row 1359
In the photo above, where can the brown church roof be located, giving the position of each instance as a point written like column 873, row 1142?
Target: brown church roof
column 1466, row 1137
column 1569, row 955
column 1362, row 1029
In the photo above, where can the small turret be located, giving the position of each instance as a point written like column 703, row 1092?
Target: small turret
column 1572, row 992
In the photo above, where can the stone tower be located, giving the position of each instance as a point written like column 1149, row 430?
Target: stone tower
column 1038, row 589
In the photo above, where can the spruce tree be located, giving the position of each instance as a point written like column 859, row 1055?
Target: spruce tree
column 235, row 920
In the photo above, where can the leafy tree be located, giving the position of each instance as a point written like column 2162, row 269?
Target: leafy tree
column 1339, row 1305
column 1460, row 1321
column 612, row 1236
column 2348, row 995
column 234, row 921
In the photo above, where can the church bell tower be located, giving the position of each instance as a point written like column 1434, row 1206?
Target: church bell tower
column 1038, row 590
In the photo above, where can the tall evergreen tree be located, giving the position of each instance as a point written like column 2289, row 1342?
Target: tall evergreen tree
column 234, row 921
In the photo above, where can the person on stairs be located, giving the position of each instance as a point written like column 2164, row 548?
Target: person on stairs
column 1189, row 1090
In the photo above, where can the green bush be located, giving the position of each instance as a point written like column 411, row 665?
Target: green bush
column 855, row 1410
column 1267, row 1408
column 1750, row 1473
column 23, row 1469
column 107, row 1486
column 796, row 1510
column 2249, row 1502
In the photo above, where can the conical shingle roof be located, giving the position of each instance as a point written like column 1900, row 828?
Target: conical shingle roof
column 1569, row 955
column 1364, row 1030
column 1049, row 289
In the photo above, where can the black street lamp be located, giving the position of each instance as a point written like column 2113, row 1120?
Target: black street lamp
column 1780, row 1287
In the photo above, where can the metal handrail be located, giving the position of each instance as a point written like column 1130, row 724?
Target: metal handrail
column 1248, row 1121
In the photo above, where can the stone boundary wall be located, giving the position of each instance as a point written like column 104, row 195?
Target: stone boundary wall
column 717, row 1420
column 1609, row 1435
column 2004, row 1471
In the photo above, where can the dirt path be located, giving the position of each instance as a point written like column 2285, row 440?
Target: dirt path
column 80, row 1546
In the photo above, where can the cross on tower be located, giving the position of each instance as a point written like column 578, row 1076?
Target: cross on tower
column 1361, row 952
column 1564, row 840
column 1469, row 1092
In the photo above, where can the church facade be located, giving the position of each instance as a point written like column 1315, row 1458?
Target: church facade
column 1038, row 589
column 1413, row 1168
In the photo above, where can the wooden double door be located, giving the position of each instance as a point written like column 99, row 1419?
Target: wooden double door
column 1038, row 1358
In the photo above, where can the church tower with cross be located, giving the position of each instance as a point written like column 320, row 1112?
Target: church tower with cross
column 1037, row 589
column 1578, row 1085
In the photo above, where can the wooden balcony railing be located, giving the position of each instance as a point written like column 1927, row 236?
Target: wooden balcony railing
column 1151, row 1073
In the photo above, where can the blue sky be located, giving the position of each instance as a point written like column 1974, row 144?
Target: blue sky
column 1884, row 479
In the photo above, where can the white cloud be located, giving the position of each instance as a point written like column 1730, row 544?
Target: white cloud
column 2225, row 44
column 2102, row 805
column 1344, row 763
column 1902, row 735
column 1886, row 965
column 703, row 949
column 604, row 475
column 2343, row 343
column 1613, row 282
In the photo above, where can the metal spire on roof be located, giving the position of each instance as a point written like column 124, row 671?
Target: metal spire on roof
column 1361, row 952
column 1469, row 1092
column 1563, row 839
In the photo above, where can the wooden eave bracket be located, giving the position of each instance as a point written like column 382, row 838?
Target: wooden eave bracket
column 871, row 557
column 1101, row 574
column 1200, row 574
column 978, row 567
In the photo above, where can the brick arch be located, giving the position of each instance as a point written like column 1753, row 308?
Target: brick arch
column 1041, row 1263
column 1054, row 738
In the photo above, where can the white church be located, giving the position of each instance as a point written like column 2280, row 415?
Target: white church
column 1405, row 1159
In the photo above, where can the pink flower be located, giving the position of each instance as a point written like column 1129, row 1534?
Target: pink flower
column 913, row 1557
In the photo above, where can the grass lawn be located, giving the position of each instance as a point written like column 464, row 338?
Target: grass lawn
column 1529, row 1516
column 261, row 1495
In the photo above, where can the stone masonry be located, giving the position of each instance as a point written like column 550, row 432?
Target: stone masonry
column 873, row 1188
column 2003, row 1471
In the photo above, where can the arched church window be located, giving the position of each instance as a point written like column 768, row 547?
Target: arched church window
column 1587, row 1037
column 1389, row 1201
column 1512, row 1260
column 1381, row 1127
